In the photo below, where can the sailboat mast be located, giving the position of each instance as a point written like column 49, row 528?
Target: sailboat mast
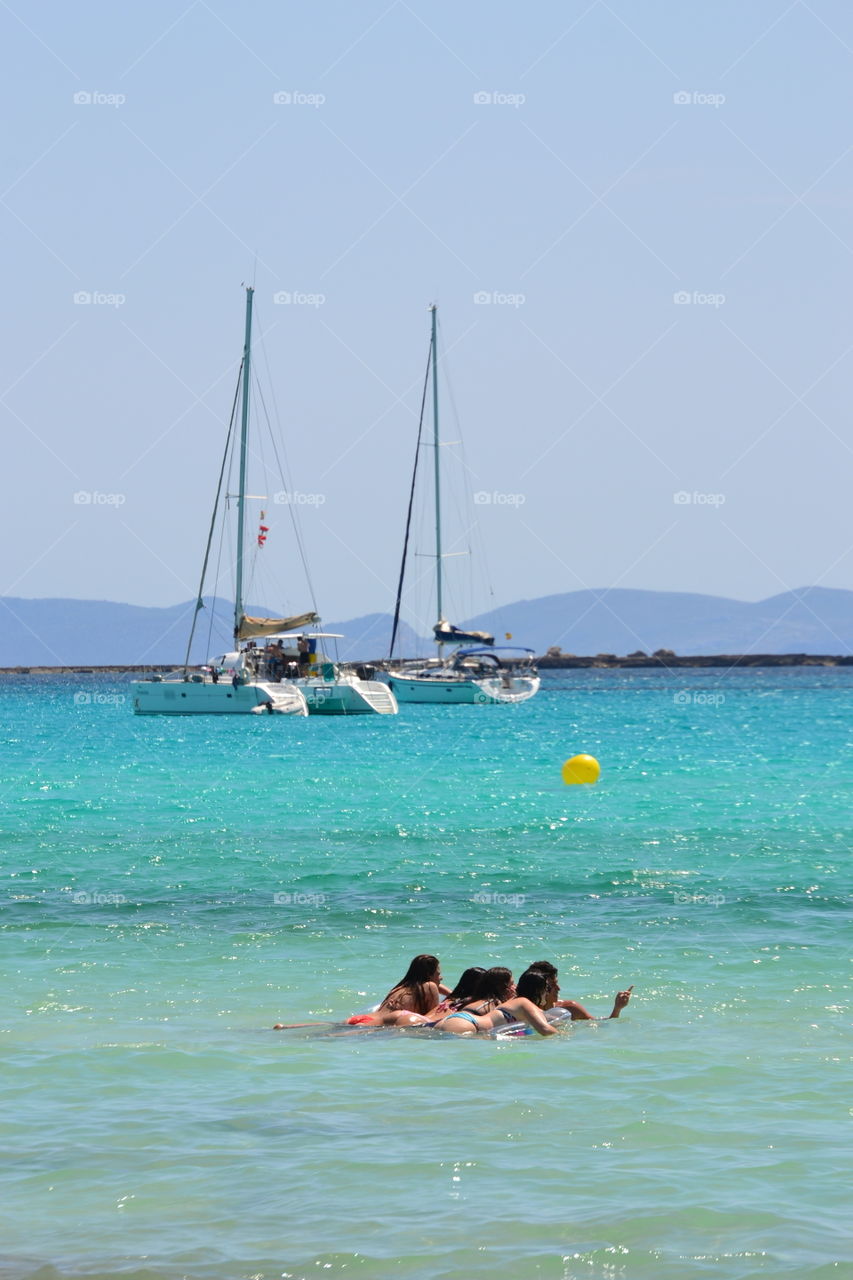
column 241, row 493
column 438, row 602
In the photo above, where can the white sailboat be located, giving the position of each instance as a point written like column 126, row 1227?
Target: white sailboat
column 333, row 689
column 476, row 671
column 501, row 674
column 294, row 660
column 260, row 678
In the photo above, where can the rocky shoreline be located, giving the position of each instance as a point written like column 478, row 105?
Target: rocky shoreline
column 671, row 661
column 662, row 660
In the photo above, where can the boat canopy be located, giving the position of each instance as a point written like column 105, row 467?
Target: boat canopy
column 227, row 661
column 499, row 655
column 250, row 627
column 446, row 633
column 308, row 635
column 498, row 648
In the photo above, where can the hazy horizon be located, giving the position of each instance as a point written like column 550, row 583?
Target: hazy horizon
column 173, row 604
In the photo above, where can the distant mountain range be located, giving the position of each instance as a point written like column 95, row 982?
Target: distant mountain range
column 95, row 633
column 101, row 633
column 808, row 620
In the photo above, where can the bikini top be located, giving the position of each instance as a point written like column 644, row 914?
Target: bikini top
column 482, row 1013
column 472, row 1014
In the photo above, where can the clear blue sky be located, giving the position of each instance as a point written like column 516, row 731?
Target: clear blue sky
column 383, row 185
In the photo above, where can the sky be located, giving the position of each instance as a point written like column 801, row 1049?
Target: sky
column 635, row 221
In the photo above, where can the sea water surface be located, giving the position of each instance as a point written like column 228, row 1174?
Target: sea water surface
column 170, row 888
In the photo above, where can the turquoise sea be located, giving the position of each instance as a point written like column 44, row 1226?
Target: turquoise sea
column 170, row 888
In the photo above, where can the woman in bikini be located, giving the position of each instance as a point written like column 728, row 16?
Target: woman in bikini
column 384, row 1016
column 419, row 990
column 463, row 993
column 498, row 1003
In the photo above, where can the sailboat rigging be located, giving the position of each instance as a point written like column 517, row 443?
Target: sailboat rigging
column 482, row 673
column 287, row 673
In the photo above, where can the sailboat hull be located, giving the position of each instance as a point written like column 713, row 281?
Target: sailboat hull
column 189, row 698
column 450, row 692
column 342, row 697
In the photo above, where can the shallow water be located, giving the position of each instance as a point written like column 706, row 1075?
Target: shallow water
column 171, row 888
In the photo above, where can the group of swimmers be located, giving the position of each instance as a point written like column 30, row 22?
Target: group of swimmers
column 481, row 1001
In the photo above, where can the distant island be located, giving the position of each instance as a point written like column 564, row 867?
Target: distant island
column 668, row 660
column 601, row 661
column 807, row 624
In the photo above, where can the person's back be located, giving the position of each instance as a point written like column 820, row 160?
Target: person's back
column 408, row 999
column 496, row 1005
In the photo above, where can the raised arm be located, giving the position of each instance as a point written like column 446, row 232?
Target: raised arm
column 580, row 1014
column 622, row 998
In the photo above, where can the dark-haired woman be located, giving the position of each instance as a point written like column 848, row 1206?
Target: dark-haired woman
column 462, row 994
column 498, row 1003
column 419, row 990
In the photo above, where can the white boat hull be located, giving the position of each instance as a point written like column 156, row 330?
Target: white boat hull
column 347, row 697
column 191, row 698
column 459, row 692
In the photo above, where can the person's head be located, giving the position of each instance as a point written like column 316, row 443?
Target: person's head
column 422, row 969
column 535, row 985
column 467, row 984
column 550, row 971
column 495, row 984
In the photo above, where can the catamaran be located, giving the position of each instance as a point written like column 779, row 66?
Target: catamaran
column 476, row 670
column 286, row 673
column 296, row 660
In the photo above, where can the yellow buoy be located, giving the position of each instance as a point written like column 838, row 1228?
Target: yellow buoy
column 581, row 769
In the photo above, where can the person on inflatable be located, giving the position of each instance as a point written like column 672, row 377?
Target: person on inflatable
column 463, row 993
column 499, row 1002
column 577, row 1011
column 419, row 990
